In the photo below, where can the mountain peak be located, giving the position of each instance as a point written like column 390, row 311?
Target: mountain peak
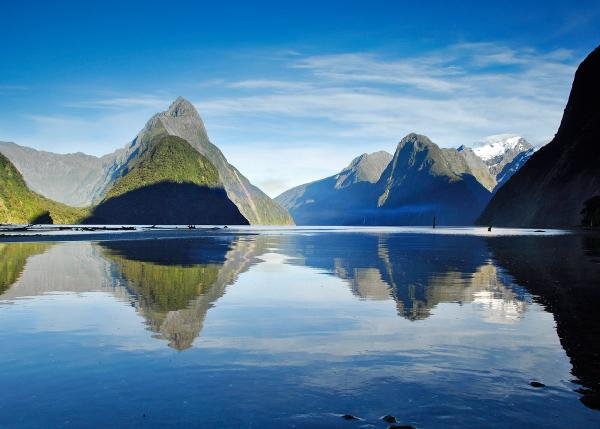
column 366, row 167
column 493, row 148
column 181, row 107
column 416, row 141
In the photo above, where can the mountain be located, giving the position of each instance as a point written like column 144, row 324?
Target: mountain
column 182, row 120
column 419, row 182
column 423, row 181
column 74, row 179
column 167, row 182
column 81, row 180
column 552, row 187
column 20, row 205
column 495, row 159
column 341, row 199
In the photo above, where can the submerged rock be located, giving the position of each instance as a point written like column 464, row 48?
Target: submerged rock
column 349, row 417
column 388, row 418
column 536, row 384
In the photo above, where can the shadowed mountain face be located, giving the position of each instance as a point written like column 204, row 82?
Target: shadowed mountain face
column 424, row 181
column 20, row 205
column 79, row 179
column 419, row 182
column 342, row 199
column 551, row 188
column 168, row 203
column 167, row 183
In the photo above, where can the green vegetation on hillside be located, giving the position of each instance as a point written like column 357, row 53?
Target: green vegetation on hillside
column 167, row 159
column 20, row 205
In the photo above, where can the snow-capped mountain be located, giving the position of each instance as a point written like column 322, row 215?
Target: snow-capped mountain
column 496, row 158
column 499, row 150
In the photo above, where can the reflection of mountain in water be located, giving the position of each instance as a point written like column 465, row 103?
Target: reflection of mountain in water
column 171, row 283
column 564, row 275
column 417, row 271
column 68, row 267
column 174, row 283
column 13, row 258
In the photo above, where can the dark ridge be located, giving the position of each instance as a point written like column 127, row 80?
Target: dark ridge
column 168, row 203
column 551, row 188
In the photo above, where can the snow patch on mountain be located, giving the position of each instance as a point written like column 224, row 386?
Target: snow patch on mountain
column 496, row 146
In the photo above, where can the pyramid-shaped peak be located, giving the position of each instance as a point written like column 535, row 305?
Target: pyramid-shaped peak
column 181, row 107
column 416, row 142
column 416, row 138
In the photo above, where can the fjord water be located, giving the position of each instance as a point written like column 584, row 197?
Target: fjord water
column 297, row 328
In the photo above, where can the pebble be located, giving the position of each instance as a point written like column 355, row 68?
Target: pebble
column 349, row 417
column 389, row 418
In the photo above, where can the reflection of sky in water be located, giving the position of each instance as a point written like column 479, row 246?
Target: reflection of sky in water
column 289, row 332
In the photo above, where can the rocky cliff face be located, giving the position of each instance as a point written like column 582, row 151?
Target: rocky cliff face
column 551, row 188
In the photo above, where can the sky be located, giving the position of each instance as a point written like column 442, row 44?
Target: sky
column 290, row 91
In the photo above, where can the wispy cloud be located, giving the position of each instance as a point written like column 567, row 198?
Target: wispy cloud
column 269, row 84
column 457, row 94
column 362, row 101
column 121, row 102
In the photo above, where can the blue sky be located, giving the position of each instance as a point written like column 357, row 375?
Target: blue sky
column 290, row 92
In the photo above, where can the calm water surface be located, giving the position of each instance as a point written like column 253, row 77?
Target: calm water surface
column 297, row 328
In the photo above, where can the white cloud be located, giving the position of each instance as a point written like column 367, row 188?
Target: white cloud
column 152, row 101
column 268, row 84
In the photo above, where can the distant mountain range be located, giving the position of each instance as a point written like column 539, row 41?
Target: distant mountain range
column 552, row 187
column 20, row 205
column 419, row 182
column 83, row 180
